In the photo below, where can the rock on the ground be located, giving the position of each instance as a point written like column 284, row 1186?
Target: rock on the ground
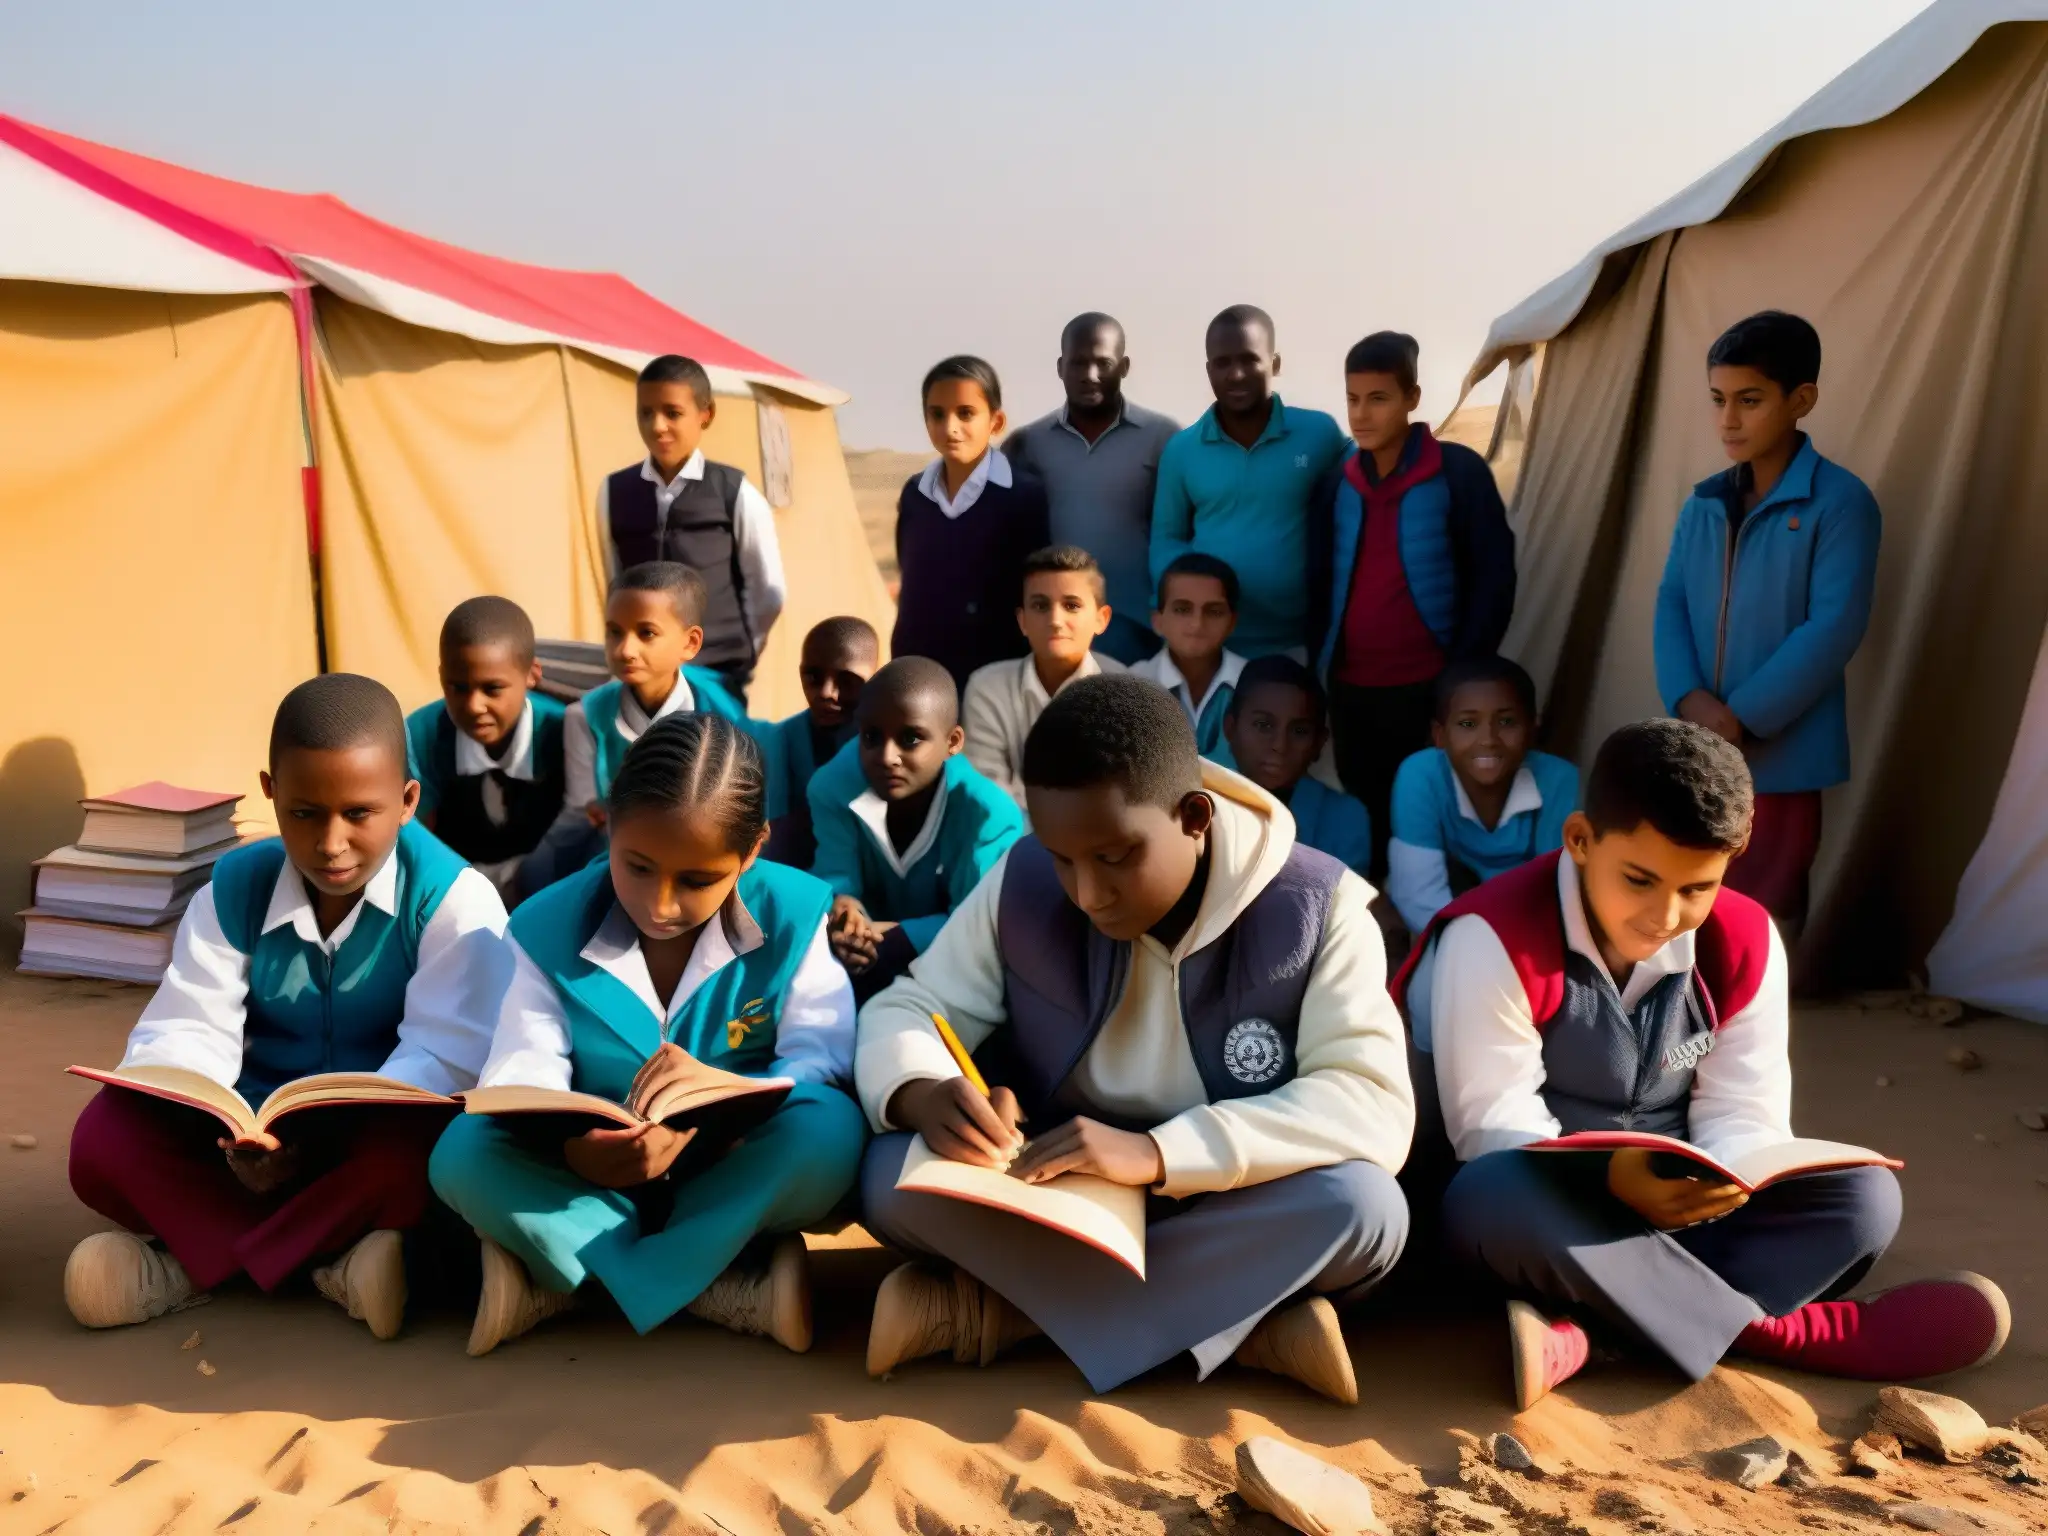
column 1947, row 1426
column 1749, row 1465
column 1874, row 1456
column 22, row 1143
column 1943, row 1521
column 1798, row 1475
column 1964, row 1059
column 2033, row 1119
column 1304, row 1491
column 2033, row 1422
column 1510, row 1455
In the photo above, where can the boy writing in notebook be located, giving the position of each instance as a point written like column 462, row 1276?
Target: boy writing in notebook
column 354, row 941
column 1196, row 612
column 906, row 826
column 1618, row 985
column 839, row 656
column 653, row 631
column 1481, row 800
column 1114, row 975
column 1060, row 611
column 488, row 757
column 1765, row 597
column 1275, row 730
column 679, row 506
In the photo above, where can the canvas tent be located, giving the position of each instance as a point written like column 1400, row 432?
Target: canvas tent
column 203, row 384
column 1904, row 210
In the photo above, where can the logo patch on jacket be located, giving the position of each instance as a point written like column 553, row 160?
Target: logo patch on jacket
column 753, row 1014
column 1253, row 1051
column 1688, row 1053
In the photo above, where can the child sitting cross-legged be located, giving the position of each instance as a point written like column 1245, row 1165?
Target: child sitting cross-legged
column 1275, row 729
column 653, row 630
column 1060, row 610
column 1620, row 985
column 839, row 656
column 905, row 825
column 1196, row 613
column 1480, row 801
column 1116, row 973
column 354, row 941
column 681, row 943
column 488, row 757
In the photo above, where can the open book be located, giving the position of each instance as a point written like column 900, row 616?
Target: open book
column 720, row 1106
column 1108, row 1217
column 323, row 1090
column 1752, row 1171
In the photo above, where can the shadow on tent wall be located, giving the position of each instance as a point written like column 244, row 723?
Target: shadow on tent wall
column 41, row 784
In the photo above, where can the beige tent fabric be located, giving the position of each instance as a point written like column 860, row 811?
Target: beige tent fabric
column 1916, row 245
column 155, row 595
column 451, row 467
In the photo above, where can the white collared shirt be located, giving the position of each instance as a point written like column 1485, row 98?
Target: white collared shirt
column 1468, row 1008
column 1003, row 701
column 754, row 540
column 473, row 760
column 199, row 1013
column 579, row 745
column 813, row 1036
column 993, row 467
column 873, row 812
column 1161, row 668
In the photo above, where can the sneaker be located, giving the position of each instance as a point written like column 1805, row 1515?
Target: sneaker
column 116, row 1278
column 510, row 1303
column 1923, row 1328
column 368, row 1282
column 774, row 1303
column 1547, row 1354
column 1305, row 1343
column 921, row 1311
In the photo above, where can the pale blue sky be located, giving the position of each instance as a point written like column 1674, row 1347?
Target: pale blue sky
column 860, row 189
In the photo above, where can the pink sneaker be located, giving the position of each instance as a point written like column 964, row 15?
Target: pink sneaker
column 1546, row 1353
column 1923, row 1328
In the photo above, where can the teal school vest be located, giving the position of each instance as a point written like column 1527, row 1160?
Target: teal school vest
column 309, row 1012
column 601, row 709
column 729, row 1022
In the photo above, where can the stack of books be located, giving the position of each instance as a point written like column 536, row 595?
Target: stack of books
column 108, row 905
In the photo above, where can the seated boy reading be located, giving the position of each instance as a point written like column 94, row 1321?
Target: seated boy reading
column 1478, row 802
column 1619, row 985
column 488, row 757
column 352, row 942
column 839, row 656
column 1060, row 612
column 905, row 825
column 1117, row 975
column 1196, row 613
column 653, row 630
column 1274, row 730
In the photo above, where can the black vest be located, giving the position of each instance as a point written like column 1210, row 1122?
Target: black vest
column 531, row 805
column 699, row 534
column 1240, row 995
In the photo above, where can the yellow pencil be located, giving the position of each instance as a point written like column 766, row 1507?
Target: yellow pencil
column 959, row 1053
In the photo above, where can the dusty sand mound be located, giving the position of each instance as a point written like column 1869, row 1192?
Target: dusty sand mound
column 310, row 1425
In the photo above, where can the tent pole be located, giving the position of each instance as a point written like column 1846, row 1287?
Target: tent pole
column 304, row 326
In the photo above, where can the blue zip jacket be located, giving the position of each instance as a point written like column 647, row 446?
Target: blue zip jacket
column 1765, row 610
column 1457, row 553
column 979, row 823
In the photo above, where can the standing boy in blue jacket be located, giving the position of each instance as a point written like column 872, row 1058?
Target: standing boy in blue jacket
column 1421, row 567
column 1766, row 595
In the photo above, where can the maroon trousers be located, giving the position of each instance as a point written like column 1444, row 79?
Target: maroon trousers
column 152, row 1166
column 1783, row 842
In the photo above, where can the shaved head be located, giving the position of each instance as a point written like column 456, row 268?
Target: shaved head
column 1086, row 327
column 913, row 684
column 1245, row 317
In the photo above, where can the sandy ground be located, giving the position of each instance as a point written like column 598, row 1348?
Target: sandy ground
column 311, row 1425
column 878, row 475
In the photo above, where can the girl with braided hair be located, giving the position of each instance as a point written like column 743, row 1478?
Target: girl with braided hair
column 681, row 942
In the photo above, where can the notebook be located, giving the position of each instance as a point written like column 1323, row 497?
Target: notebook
column 1107, row 1217
column 1753, row 1170
column 323, row 1090
column 158, row 818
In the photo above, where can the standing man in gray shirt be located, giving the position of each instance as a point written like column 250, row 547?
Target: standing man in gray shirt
column 1098, row 457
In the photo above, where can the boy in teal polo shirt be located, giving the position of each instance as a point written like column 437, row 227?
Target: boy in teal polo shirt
column 1766, row 595
column 352, row 942
column 906, row 826
column 488, row 756
column 1238, row 484
column 1479, row 802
